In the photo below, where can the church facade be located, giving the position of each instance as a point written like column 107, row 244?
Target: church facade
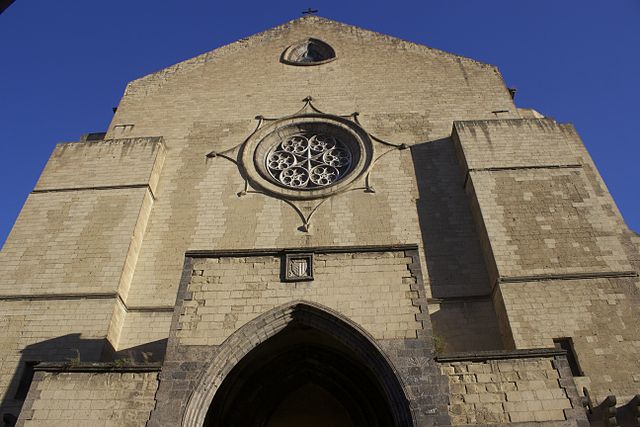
column 321, row 225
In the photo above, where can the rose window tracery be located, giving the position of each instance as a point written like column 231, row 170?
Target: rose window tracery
column 309, row 160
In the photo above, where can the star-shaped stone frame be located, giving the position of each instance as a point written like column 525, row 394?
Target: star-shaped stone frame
column 306, row 203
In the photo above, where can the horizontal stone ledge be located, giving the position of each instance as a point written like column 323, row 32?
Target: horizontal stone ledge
column 94, row 188
column 499, row 122
column 526, row 167
column 59, row 296
column 481, row 356
column 123, row 141
column 80, row 296
column 145, row 309
column 217, row 253
column 459, row 299
column 150, row 309
column 95, row 367
column 569, row 276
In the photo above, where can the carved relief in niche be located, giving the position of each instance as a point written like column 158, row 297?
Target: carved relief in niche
column 298, row 267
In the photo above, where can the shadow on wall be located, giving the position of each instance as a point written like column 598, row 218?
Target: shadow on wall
column 68, row 349
column 462, row 313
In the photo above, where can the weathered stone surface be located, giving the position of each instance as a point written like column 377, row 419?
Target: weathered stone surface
column 493, row 231
column 503, row 391
column 82, row 399
column 227, row 292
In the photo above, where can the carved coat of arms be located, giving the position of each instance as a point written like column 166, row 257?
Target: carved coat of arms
column 298, row 267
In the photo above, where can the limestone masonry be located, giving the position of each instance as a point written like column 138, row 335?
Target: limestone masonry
column 319, row 225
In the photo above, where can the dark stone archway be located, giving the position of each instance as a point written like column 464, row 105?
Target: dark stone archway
column 289, row 348
column 298, row 377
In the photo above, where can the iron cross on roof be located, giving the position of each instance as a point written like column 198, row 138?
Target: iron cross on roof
column 309, row 11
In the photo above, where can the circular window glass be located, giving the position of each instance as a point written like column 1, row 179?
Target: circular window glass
column 309, row 160
column 307, row 156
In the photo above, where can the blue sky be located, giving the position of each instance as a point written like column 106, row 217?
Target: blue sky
column 64, row 65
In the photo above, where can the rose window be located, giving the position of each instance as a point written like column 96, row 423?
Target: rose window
column 308, row 161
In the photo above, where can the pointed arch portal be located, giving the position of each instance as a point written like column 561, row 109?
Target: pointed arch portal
column 300, row 364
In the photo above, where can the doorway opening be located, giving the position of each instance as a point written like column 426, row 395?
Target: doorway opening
column 301, row 376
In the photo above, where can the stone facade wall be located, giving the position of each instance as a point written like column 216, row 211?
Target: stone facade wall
column 48, row 330
column 539, row 202
column 516, row 143
column 208, row 104
column 516, row 234
column 559, row 255
column 512, row 391
column 547, row 222
column 372, row 301
column 74, row 235
column 79, row 399
column 371, row 288
column 210, row 215
column 144, row 327
column 600, row 316
column 116, row 216
column 72, row 253
column 61, row 239
column 110, row 163
column 233, row 80
column 462, row 314
column 463, row 325
column 453, row 254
